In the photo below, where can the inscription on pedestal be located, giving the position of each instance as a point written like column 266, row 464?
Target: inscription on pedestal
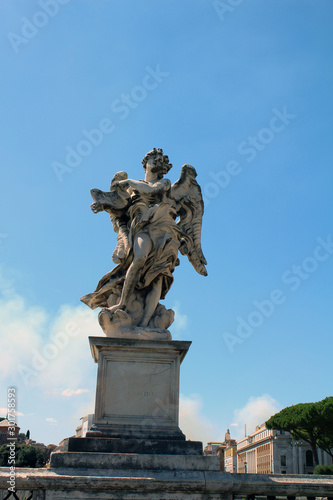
column 137, row 389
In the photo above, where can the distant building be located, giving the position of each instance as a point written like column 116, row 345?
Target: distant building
column 220, row 450
column 230, row 454
column 5, row 437
column 86, row 423
column 275, row 452
column 215, row 449
column 31, row 442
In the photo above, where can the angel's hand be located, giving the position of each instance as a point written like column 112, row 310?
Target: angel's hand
column 96, row 207
column 122, row 184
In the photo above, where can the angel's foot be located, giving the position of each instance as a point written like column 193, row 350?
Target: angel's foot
column 112, row 322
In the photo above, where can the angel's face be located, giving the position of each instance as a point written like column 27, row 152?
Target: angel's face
column 152, row 166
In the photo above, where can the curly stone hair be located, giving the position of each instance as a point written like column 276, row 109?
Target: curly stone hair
column 161, row 161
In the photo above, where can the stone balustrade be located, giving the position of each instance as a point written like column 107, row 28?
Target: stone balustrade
column 107, row 484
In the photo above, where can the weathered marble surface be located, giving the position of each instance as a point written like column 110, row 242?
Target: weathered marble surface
column 154, row 221
column 133, row 461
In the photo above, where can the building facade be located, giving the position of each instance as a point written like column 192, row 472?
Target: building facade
column 227, row 451
column 230, row 458
column 5, row 435
column 215, row 449
column 86, row 423
column 275, row 452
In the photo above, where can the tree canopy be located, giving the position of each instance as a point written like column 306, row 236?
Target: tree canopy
column 311, row 422
column 25, row 456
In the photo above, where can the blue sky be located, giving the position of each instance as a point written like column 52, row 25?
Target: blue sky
column 242, row 90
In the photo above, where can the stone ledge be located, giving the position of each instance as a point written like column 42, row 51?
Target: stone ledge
column 107, row 343
column 141, row 446
column 146, row 431
column 134, row 461
column 111, row 484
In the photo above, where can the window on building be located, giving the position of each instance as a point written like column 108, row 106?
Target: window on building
column 283, row 459
column 282, row 432
column 309, row 458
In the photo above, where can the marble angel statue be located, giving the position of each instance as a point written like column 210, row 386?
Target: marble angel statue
column 154, row 220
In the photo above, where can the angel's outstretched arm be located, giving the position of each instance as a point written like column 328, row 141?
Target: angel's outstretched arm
column 143, row 187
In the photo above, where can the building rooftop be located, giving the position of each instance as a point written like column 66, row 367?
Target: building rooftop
column 5, row 423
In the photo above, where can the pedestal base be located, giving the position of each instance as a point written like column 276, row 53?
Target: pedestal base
column 141, row 446
column 136, row 412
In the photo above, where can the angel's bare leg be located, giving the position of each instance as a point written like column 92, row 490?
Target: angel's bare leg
column 141, row 249
column 151, row 301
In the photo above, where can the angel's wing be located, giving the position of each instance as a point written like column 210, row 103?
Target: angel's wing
column 190, row 208
column 115, row 202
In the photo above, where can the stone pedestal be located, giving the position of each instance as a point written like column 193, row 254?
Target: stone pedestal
column 137, row 394
column 136, row 411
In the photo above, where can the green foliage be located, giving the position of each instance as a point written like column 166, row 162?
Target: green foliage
column 325, row 441
column 21, row 436
column 311, row 422
column 25, row 456
column 323, row 469
column 4, row 454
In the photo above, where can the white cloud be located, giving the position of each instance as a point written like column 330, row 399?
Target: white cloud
column 4, row 411
column 51, row 420
column 71, row 392
column 44, row 351
column 181, row 320
column 81, row 411
column 256, row 411
column 194, row 425
column 21, row 328
column 65, row 354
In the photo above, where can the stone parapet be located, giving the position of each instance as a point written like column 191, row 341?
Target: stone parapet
column 106, row 484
